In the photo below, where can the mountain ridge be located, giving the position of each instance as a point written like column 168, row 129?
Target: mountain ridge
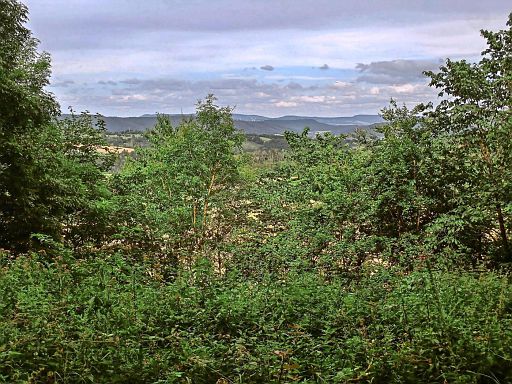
column 256, row 124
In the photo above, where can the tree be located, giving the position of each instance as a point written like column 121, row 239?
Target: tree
column 477, row 114
column 51, row 173
column 172, row 197
column 26, row 111
column 84, row 161
column 24, row 73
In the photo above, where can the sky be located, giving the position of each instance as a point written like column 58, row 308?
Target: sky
column 266, row 57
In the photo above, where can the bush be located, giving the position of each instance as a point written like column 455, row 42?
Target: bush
column 105, row 321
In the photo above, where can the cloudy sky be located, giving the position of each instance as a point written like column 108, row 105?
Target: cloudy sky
column 269, row 57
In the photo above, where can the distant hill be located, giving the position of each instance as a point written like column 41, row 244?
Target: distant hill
column 276, row 126
column 255, row 124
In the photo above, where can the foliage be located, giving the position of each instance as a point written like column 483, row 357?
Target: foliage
column 106, row 321
column 50, row 171
column 85, row 161
column 363, row 259
column 24, row 73
column 174, row 194
column 25, row 111
column 478, row 116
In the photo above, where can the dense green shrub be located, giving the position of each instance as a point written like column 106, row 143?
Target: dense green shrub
column 103, row 320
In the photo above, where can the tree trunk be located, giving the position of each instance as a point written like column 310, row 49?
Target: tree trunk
column 503, row 231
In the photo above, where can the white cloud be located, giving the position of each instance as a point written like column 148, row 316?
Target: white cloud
column 374, row 90
column 405, row 88
column 340, row 84
column 285, row 104
column 314, row 99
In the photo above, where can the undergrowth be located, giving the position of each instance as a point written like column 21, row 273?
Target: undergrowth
column 106, row 321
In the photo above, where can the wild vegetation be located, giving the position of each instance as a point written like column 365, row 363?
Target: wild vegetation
column 371, row 260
